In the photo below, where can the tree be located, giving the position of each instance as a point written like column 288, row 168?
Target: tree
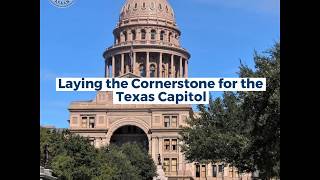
column 116, row 165
column 241, row 128
column 262, row 111
column 72, row 157
column 139, row 158
column 63, row 166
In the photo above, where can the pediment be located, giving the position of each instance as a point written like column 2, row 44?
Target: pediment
column 129, row 75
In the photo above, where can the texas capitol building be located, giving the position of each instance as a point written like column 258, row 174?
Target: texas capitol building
column 146, row 44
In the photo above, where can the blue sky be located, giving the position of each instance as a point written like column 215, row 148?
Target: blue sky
column 217, row 33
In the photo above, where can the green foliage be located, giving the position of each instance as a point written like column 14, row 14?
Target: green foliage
column 73, row 158
column 241, row 128
column 137, row 156
column 262, row 110
column 64, row 166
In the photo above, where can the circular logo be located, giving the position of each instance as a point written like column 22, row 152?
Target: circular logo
column 62, row 3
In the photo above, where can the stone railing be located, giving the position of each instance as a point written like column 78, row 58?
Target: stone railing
column 145, row 42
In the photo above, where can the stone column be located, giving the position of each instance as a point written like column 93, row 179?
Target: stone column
column 138, row 34
column 160, row 65
column 130, row 35
column 165, row 36
column 172, row 66
column 154, row 149
column 158, row 145
column 150, row 145
column 180, row 68
column 148, row 34
column 147, row 65
column 122, row 64
column 107, row 69
column 134, row 62
column 160, row 148
column 186, row 68
column 113, row 66
column 158, row 34
column 121, row 37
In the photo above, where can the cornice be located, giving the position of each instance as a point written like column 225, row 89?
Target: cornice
column 115, row 50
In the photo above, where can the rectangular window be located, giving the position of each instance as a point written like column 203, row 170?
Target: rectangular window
column 174, row 167
column 203, row 171
column 174, row 121
column 220, row 168
column 214, row 170
column 167, row 145
column 92, row 122
column 171, row 121
column 174, row 144
column 167, row 121
column 166, row 165
column 153, row 34
column 162, row 35
column 197, row 170
column 143, row 34
column 84, row 122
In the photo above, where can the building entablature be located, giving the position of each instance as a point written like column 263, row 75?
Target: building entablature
column 167, row 130
column 88, row 130
column 147, row 46
column 128, row 108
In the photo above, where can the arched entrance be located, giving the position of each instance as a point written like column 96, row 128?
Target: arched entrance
column 130, row 134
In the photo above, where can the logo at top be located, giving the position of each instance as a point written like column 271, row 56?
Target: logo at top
column 62, row 3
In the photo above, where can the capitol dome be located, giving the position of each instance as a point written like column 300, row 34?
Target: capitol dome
column 152, row 11
column 146, row 42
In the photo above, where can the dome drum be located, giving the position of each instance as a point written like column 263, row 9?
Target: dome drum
column 152, row 35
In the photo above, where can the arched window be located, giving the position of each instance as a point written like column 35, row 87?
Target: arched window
column 125, row 35
column 162, row 35
column 144, row 6
column 142, row 70
column 136, row 5
column 152, row 5
column 153, row 34
column 160, row 6
column 133, row 32
column 170, row 35
column 152, row 70
column 143, row 34
column 118, row 39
